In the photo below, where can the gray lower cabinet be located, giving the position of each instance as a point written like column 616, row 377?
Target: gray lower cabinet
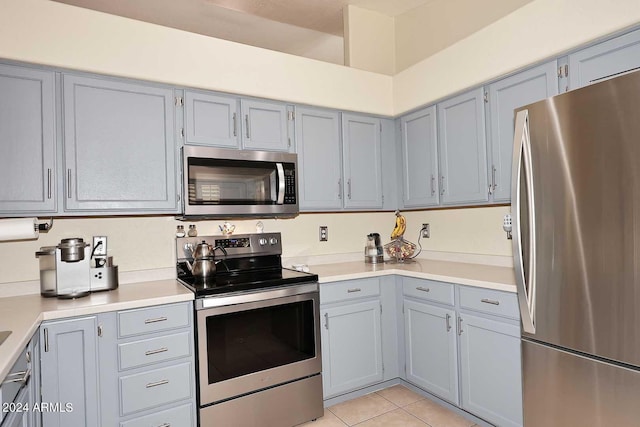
column 462, row 344
column 20, row 390
column 69, row 372
column 265, row 125
column 504, row 97
column 319, row 159
column 490, row 370
column 419, row 139
column 351, row 335
column 362, row 161
column 128, row 368
column 147, row 368
column 463, row 149
column 431, row 349
column 211, row 119
column 28, row 141
column 119, row 147
column 604, row 60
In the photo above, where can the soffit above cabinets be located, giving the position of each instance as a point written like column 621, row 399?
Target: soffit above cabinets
column 310, row 28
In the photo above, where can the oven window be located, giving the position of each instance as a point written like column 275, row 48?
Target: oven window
column 254, row 340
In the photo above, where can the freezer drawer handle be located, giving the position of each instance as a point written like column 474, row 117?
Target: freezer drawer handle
column 156, row 351
column 157, row 383
column 490, row 301
column 157, row 319
column 420, row 288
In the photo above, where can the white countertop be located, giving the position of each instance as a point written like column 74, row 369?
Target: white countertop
column 23, row 314
column 480, row 275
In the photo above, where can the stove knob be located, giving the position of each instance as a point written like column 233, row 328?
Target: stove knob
column 273, row 241
column 262, row 241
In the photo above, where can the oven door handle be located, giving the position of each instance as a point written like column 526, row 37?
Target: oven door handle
column 281, row 186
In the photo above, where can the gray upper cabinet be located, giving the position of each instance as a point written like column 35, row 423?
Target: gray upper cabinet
column 211, row 120
column 28, row 140
column 504, row 97
column 319, row 159
column 463, row 151
column 264, row 125
column 69, row 372
column 419, row 158
column 604, row 60
column 119, row 146
column 361, row 148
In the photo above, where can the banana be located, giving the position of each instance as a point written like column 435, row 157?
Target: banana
column 400, row 226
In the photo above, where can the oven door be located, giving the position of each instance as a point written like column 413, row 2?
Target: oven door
column 251, row 346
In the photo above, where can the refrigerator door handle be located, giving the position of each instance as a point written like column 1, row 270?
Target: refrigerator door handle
column 522, row 167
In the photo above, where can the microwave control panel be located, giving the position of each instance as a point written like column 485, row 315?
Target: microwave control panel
column 290, row 186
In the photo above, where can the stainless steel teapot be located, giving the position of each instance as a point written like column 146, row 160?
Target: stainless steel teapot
column 204, row 260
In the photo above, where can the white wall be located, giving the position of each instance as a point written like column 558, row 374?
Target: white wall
column 438, row 24
column 57, row 34
column 369, row 39
column 145, row 243
column 539, row 30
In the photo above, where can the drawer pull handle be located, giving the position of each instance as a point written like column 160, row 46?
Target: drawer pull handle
column 159, row 350
column 25, row 375
column 420, row 288
column 353, row 290
column 490, row 301
column 165, row 425
column 156, row 320
column 448, row 320
column 157, row 383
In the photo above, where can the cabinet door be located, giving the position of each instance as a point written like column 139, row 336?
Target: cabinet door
column 351, row 347
column 420, row 158
column 605, row 60
column 362, row 161
column 264, row 126
column 27, row 137
column 119, row 147
column 490, row 373
column 319, row 159
column 211, row 120
column 504, row 97
column 69, row 372
column 431, row 352
column 463, row 149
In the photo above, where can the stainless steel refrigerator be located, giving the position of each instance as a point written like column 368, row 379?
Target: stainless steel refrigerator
column 576, row 242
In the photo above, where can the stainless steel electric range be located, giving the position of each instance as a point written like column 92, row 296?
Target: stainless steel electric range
column 257, row 334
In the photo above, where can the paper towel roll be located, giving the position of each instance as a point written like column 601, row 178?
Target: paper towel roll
column 18, row 229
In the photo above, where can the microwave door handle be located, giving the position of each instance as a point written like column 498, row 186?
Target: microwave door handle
column 280, row 170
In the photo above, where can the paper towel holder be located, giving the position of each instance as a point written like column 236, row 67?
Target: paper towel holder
column 44, row 227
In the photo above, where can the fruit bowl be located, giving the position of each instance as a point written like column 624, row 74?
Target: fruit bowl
column 400, row 249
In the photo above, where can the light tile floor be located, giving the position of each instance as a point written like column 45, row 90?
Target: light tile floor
column 395, row 406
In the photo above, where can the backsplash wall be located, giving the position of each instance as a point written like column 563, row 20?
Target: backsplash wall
column 144, row 243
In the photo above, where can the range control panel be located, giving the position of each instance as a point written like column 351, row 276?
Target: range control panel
column 240, row 245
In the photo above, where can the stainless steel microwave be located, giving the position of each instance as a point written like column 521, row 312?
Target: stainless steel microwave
column 224, row 183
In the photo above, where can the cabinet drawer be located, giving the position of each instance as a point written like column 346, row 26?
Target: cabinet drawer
column 153, row 350
column 154, row 388
column 428, row 290
column 348, row 290
column 153, row 319
column 489, row 301
column 178, row 416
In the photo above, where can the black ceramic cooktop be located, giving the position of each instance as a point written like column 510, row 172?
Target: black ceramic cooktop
column 242, row 281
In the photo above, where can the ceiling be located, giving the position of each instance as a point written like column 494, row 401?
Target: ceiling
column 311, row 28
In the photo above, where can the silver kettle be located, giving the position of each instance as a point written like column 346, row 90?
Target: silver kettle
column 204, row 260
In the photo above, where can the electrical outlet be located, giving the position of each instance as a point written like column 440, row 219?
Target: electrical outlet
column 426, row 231
column 99, row 246
column 324, row 233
